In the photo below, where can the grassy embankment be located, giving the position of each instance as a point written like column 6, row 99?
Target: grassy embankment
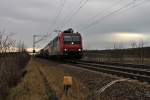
column 12, row 69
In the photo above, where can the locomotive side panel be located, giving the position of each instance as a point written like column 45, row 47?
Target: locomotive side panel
column 61, row 44
column 54, row 47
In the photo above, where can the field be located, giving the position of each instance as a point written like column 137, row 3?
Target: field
column 139, row 55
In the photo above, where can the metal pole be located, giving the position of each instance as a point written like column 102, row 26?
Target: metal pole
column 33, row 43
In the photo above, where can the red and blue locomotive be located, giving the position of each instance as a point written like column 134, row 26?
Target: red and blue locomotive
column 66, row 44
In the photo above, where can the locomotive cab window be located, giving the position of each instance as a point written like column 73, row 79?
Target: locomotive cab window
column 69, row 39
column 75, row 38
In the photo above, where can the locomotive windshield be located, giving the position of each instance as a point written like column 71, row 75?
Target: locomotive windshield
column 69, row 39
column 75, row 38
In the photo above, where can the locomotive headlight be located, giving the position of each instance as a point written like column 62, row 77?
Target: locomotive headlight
column 79, row 49
column 65, row 49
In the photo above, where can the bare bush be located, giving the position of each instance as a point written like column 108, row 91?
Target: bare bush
column 12, row 63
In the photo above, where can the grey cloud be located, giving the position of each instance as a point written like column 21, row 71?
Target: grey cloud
column 27, row 10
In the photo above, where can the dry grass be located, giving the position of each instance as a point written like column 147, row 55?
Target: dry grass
column 11, row 71
column 32, row 86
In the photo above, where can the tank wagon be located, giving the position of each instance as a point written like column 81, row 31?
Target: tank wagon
column 66, row 44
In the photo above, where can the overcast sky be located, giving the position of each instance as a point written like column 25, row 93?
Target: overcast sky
column 28, row 17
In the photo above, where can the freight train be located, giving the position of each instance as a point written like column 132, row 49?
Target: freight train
column 66, row 44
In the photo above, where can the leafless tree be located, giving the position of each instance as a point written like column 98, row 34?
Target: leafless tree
column 134, row 55
column 6, row 42
column 118, row 52
column 133, row 44
column 138, row 50
column 21, row 46
column 141, row 51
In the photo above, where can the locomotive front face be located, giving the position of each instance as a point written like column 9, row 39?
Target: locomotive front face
column 72, row 44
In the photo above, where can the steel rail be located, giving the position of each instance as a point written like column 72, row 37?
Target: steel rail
column 142, row 66
column 137, row 73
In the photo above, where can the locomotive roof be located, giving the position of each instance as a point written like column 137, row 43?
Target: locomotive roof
column 71, row 33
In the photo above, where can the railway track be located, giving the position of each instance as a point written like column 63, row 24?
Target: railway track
column 137, row 72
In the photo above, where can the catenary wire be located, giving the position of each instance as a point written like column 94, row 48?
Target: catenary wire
column 74, row 14
column 110, row 14
column 104, row 10
column 66, row 17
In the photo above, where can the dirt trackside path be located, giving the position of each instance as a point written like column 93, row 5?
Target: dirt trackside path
column 34, row 86
column 54, row 74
